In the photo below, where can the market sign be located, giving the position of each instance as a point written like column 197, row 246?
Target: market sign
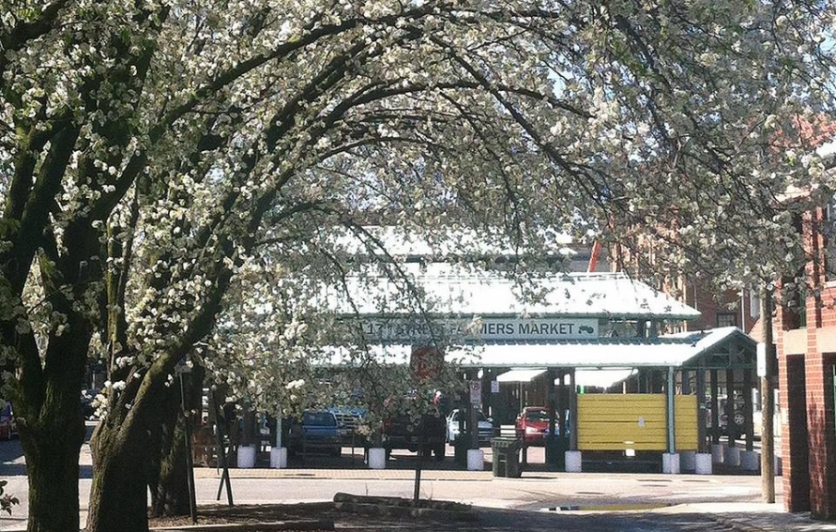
column 484, row 329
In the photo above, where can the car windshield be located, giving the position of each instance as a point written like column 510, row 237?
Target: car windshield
column 455, row 416
column 536, row 415
column 321, row 419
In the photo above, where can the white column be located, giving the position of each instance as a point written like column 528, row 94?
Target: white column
column 278, row 454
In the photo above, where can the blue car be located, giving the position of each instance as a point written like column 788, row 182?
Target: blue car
column 318, row 432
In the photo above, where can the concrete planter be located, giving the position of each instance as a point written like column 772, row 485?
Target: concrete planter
column 573, row 461
column 377, row 458
column 688, row 460
column 670, row 463
column 703, row 463
column 750, row 460
column 732, row 456
column 475, row 460
column 278, row 458
column 717, row 453
column 246, row 456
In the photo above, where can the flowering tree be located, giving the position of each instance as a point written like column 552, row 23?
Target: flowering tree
column 151, row 150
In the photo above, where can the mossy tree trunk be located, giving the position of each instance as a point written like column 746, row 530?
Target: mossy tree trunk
column 168, row 477
column 52, row 449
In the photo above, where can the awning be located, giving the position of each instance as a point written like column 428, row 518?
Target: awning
column 675, row 351
column 520, row 375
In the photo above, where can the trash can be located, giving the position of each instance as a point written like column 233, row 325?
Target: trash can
column 506, row 457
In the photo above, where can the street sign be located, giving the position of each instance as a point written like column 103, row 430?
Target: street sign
column 476, row 392
column 761, row 359
column 426, row 362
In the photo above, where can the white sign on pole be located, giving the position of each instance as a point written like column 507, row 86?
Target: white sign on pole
column 476, row 392
column 494, row 386
column 761, row 352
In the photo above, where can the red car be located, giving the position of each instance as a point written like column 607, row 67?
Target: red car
column 533, row 425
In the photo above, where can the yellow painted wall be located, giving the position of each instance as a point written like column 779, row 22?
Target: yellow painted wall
column 634, row 421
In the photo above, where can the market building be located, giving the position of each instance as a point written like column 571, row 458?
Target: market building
column 576, row 333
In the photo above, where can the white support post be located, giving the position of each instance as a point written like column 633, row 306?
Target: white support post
column 670, row 460
column 671, row 412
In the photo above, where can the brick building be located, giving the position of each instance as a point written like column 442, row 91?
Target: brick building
column 730, row 308
column 806, row 345
column 805, row 337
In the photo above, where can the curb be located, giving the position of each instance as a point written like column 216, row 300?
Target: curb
column 307, row 524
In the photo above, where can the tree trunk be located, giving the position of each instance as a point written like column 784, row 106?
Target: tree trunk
column 167, row 467
column 168, row 480
column 52, row 467
column 118, row 498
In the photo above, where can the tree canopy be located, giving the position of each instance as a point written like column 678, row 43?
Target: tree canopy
column 150, row 152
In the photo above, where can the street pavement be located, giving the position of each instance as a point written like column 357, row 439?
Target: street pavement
column 539, row 500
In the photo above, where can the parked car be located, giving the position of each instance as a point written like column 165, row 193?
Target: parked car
column 350, row 421
column 426, row 434
column 7, row 422
column 532, row 425
column 723, row 422
column 317, row 432
column 485, row 426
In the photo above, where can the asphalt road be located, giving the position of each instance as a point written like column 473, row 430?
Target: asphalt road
column 539, row 501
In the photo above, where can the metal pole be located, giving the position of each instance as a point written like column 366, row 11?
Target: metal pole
column 732, row 429
column 189, row 465
column 572, row 423
column 219, row 437
column 701, row 406
column 416, row 495
column 671, row 413
column 749, row 426
column 550, row 404
column 768, row 403
column 279, row 428
column 715, row 409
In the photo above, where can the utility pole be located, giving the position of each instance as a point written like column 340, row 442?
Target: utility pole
column 767, row 401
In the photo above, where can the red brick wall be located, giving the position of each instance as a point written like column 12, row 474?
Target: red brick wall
column 809, row 437
column 710, row 305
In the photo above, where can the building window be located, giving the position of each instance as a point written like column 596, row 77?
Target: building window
column 726, row 319
column 828, row 229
